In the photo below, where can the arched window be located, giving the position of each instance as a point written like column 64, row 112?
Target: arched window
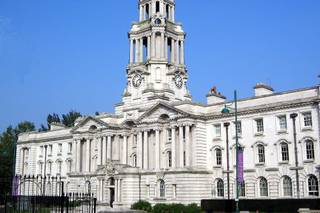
column 220, row 188
column 134, row 160
column 169, row 155
column 309, row 149
column 162, row 188
column 287, row 186
column 218, row 157
column 261, row 153
column 284, row 151
column 263, row 186
column 313, row 187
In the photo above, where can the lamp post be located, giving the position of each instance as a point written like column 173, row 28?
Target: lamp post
column 293, row 116
column 226, row 125
column 225, row 110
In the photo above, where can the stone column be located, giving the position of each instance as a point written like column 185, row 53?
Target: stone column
column 173, row 14
column 182, row 53
column 116, row 190
column 131, row 51
column 173, row 50
column 153, row 44
column 162, row 148
column 162, row 46
column 137, row 50
column 177, row 52
column 187, row 145
column 74, row 156
column 149, row 47
column 141, row 49
column 99, row 143
column 119, row 190
column 79, row 156
column 124, row 150
column 181, row 148
column 157, row 150
column 145, row 150
column 104, row 150
column 139, row 150
column 166, row 47
column 173, row 147
column 141, row 13
column 87, row 155
column 109, row 148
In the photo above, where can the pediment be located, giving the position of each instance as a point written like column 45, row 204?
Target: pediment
column 90, row 124
column 160, row 112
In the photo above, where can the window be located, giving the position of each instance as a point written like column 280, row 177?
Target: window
column 184, row 158
column 313, row 187
column 218, row 157
column 69, row 162
column 50, row 150
column 41, row 150
column 282, row 123
column 242, row 187
column 260, row 127
column 162, row 188
column 59, row 164
column 49, row 169
column 284, row 151
column 169, row 159
column 70, row 148
column 310, row 150
column 239, row 128
column 220, row 188
column 307, row 119
column 261, row 153
column 169, row 134
column 60, row 148
column 157, row 7
column 263, row 186
column 217, row 130
column 134, row 160
column 287, row 186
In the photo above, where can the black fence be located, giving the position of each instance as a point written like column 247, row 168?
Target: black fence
column 266, row 205
column 44, row 195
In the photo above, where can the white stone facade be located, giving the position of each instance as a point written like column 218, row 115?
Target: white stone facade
column 161, row 147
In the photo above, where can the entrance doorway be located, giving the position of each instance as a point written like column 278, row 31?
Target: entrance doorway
column 111, row 191
column 111, row 197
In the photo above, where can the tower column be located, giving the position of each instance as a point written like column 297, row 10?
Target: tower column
column 141, row 9
column 166, row 47
column 162, row 46
column 172, row 12
column 136, row 44
column 141, row 49
column 109, row 147
column 176, row 54
column 88, row 155
column 104, row 150
column 173, row 47
column 182, row 52
column 149, row 47
column 153, row 45
column 131, row 51
column 125, row 150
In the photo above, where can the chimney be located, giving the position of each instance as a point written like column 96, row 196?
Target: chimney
column 262, row 89
column 215, row 97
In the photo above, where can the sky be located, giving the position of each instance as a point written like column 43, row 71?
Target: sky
column 62, row 55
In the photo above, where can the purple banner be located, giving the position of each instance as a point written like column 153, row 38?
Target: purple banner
column 240, row 165
column 15, row 186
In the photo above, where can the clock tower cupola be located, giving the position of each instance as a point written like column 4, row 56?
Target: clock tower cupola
column 156, row 68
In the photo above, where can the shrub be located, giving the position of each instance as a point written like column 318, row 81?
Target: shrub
column 192, row 208
column 176, row 208
column 161, row 208
column 142, row 205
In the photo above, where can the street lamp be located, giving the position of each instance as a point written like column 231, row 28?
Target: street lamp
column 226, row 125
column 293, row 116
column 226, row 110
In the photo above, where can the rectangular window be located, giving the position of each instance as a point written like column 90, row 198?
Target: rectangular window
column 50, row 150
column 261, row 156
column 217, row 130
column 259, row 124
column 307, row 119
column 41, row 150
column 169, row 132
column 60, row 148
column 239, row 128
column 70, row 148
column 282, row 122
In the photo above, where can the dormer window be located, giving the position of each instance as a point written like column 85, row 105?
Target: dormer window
column 93, row 128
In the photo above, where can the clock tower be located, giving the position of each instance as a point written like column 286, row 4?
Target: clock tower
column 156, row 69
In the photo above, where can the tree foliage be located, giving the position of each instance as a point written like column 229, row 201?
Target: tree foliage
column 70, row 118
column 8, row 139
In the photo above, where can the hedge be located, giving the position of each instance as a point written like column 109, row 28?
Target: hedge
column 166, row 208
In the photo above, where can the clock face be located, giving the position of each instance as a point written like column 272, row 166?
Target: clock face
column 178, row 81
column 136, row 80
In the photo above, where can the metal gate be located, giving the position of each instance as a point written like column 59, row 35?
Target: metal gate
column 44, row 195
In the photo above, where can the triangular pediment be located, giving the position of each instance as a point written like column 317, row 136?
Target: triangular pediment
column 89, row 124
column 160, row 111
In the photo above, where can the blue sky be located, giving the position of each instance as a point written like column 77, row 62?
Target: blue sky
column 58, row 55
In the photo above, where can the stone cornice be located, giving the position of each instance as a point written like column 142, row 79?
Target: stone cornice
column 47, row 139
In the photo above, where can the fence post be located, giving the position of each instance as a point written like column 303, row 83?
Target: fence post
column 62, row 196
column 94, row 205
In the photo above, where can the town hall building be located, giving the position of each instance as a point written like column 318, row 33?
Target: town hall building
column 162, row 147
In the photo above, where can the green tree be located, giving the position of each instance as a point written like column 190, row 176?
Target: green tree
column 8, row 139
column 70, row 118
